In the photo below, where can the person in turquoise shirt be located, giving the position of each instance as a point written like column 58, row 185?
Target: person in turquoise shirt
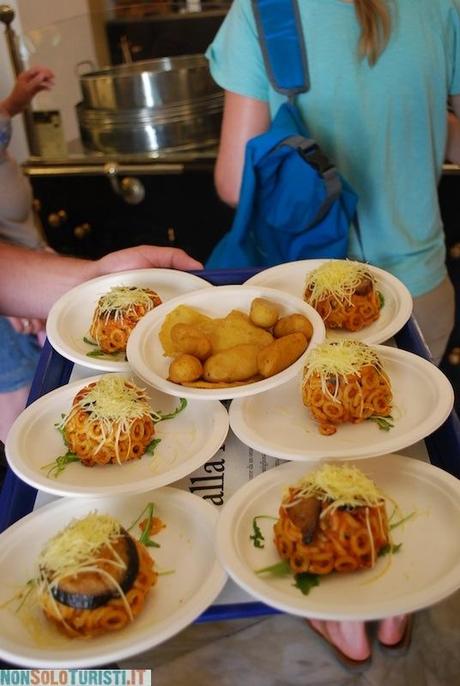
column 377, row 106
column 381, row 75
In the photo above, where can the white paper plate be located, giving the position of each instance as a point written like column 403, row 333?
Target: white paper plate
column 397, row 308
column 146, row 356
column 278, row 424
column 70, row 317
column 426, row 570
column 187, row 442
column 187, row 547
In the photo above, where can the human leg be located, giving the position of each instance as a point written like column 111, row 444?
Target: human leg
column 11, row 405
column 435, row 315
column 350, row 638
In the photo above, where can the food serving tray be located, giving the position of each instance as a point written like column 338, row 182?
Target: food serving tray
column 17, row 499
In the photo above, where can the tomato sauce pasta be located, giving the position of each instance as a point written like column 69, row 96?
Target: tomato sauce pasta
column 117, row 313
column 345, row 382
column 320, row 535
column 110, row 421
column 94, row 577
column 344, row 295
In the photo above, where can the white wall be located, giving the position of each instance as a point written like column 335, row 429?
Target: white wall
column 18, row 146
column 58, row 34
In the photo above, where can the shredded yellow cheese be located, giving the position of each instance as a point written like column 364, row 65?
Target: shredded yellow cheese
column 334, row 359
column 112, row 400
column 122, row 300
column 338, row 279
column 77, row 545
column 74, row 550
column 339, row 485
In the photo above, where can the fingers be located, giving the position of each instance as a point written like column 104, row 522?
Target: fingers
column 145, row 256
column 25, row 325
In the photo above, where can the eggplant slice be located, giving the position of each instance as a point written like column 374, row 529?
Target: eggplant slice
column 305, row 516
column 89, row 590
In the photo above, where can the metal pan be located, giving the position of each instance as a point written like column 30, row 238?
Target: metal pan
column 145, row 130
column 151, row 83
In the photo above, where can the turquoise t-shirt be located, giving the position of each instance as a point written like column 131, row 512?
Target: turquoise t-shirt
column 384, row 127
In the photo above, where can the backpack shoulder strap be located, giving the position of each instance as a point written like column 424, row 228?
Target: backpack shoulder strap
column 283, row 46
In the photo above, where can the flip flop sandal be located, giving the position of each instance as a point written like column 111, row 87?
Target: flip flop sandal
column 402, row 647
column 348, row 662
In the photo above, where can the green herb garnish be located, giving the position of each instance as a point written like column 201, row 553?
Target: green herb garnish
column 89, row 341
column 150, row 449
column 381, row 299
column 389, row 548
column 159, row 417
column 384, row 423
column 278, row 569
column 60, row 463
column 257, row 536
column 402, row 521
column 118, row 355
column 145, row 537
column 306, row 581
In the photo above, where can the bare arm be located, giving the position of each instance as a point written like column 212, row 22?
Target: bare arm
column 28, row 84
column 453, row 135
column 243, row 119
column 30, row 281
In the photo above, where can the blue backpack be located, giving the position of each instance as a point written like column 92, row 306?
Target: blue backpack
column 293, row 203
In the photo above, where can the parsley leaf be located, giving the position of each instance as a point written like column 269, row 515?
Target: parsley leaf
column 60, row 463
column 306, row 581
column 257, row 536
column 89, row 341
column 97, row 352
column 278, row 569
column 150, row 449
column 145, row 537
column 389, row 548
column 381, row 299
column 159, row 417
column 402, row 521
column 384, row 423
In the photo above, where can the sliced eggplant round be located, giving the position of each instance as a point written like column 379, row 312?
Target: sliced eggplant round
column 88, row 590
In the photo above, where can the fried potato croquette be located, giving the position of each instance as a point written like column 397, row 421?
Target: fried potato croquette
column 189, row 339
column 264, row 313
column 281, row 353
column 182, row 314
column 185, row 368
column 228, row 349
column 235, row 364
column 237, row 329
column 293, row 323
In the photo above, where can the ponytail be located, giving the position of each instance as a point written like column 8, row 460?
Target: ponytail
column 375, row 21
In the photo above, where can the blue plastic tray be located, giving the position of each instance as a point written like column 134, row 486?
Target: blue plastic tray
column 17, row 499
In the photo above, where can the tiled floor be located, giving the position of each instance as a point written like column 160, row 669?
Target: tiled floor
column 281, row 651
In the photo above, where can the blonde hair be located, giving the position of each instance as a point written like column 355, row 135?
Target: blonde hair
column 375, row 21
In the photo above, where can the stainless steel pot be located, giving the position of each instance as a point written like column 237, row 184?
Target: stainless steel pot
column 152, row 83
column 179, row 127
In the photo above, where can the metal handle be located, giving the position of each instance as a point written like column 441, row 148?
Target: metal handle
column 129, row 188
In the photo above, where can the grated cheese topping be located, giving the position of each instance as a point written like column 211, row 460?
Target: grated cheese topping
column 76, row 546
column 113, row 399
column 339, row 485
column 123, row 300
column 334, row 359
column 74, row 550
column 338, row 279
